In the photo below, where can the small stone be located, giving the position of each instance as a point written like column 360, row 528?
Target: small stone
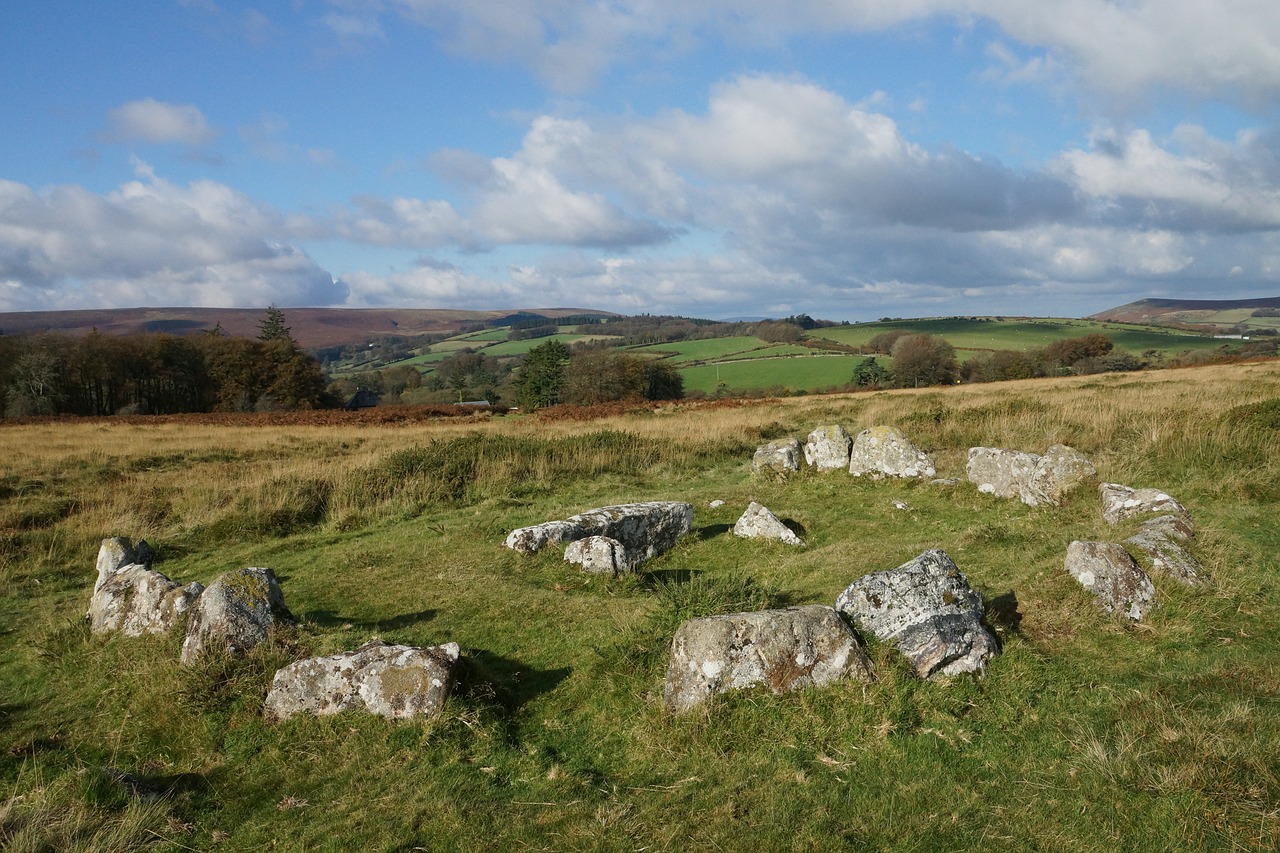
column 759, row 523
column 1116, row 581
column 777, row 457
column 599, row 554
column 716, row 504
column 1167, row 556
column 1121, row 502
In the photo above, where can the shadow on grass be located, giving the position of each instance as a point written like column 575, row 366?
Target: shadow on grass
column 795, row 527
column 513, row 683
column 1003, row 614
column 711, row 531
column 329, row 619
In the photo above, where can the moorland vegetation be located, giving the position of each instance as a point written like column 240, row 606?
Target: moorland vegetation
column 1087, row 733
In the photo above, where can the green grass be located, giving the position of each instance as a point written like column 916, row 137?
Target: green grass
column 522, row 347
column 1086, row 734
column 680, row 352
column 800, row 373
column 1020, row 334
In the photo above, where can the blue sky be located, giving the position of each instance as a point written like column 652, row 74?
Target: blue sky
column 850, row 159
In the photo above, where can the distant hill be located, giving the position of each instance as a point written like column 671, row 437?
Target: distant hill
column 311, row 327
column 1189, row 312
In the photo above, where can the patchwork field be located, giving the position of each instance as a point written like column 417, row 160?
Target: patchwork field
column 1086, row 734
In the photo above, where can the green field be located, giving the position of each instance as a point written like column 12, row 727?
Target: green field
column 511, row 348
column 680, row 352
column 801, row 373
column 1021, row 334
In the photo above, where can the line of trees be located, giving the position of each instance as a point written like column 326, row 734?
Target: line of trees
column 553, row 373
column 101, row 374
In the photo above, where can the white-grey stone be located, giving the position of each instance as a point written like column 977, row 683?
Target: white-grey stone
column 1003, row 473
column 1107, row 571
column 645, row 529
column 234, row 614
column 398, row 682
column 777, row 457
column 599, row 554
column 1167, row 556
column 1175, row 527
column 716, row 504
column 928, row 610
column 135, row 600
column 1121, row 502
column 1060, row 470
column 783, row 650
column 827, row 448
column 759, row 523
column 114, row 554
column 885, row 451
column 531, row 540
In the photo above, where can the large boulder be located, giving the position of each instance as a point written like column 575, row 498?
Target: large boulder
column 885, row 451
column 928, row 610
column 1060, row 470
column 783, row 650
column 235, row 613
column 777, row 457
column 827, row 448
column 117, row 552
column 599, row 554
column 135, row 600
column 398, row 682
column 644, row 530
column 759, row 523
column 1121, row 502
column 1003, row 473
column 1116, row 581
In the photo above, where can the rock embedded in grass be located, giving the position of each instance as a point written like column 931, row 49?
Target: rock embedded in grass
column 1033, row 479
column 758, row 522
column 885, row 451
column 599, row 554
column 234, row 614
column 645, row 529
column 398, row 682
column 777, row 457
column 928, row 610
column 1166, row 555
column 1108, row 571
column 1122, row 502
column 828, row 448
column 132, row 598
column 784, row 650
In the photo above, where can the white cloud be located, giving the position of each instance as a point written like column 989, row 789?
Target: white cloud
column 150, row 242
column 149, row 120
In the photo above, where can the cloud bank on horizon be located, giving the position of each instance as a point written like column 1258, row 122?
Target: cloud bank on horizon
column 845, row 158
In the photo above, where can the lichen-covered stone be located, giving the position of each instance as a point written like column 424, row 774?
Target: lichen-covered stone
column 1166, row 555
column 1116, row 581
column 828, row 447
column 928, row 610
column 1060, row 470
column 783, row 650
column 135, row 600
column 759, row 523
column 599, row 554
column 235, row 613
column 644, row 530
column 1003, row 473
column 885, row 451
column 1121, row 502
column 1175, row 527
column 114, row 554
column 397, row 682
column 777, row 457
column 531, row 540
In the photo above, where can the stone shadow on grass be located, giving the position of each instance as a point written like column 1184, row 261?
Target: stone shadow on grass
column 711, row 531
column 512, row 683
column 1003, row 614
column 330, row 619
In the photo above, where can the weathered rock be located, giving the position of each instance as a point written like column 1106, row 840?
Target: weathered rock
column 1107, row 571
column 759, row 523
column 782, row 649
column 1176, row 528
column 1060, row 470
column 114, row 554
column 644, row 530
column 398, row 682
column 235, row 613
column 1167, row 556
column 827, row 448
column 599, row 554
column 778, row 457
column 716, row 504
column 884, row 451
column 927, row 608
column 1121, row 502
column 1003, row 473
column 136, row 600
column 531, row 540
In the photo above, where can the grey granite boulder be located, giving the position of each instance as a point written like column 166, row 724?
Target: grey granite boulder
column 885, row 451
column 113, row 555
column 827, row 448
column 1161, row 546
column 759, row 523
column 1060, row 470
column 135, row 600
column 928, row 610
column 398, row 682
column 777, row 457
column 1107, row 571
column 1003, row 473
column 783, row 650
column 1121, row 502
column 234, row 614
column 644, row 530
column 599, row 554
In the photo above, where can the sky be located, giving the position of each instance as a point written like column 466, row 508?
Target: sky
column 849, row 159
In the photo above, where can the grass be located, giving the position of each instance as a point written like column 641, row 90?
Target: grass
column 1085, row 734
column 793, row 373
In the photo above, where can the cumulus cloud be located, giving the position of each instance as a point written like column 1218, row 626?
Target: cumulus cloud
column 149, row 120
column 148, row 242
